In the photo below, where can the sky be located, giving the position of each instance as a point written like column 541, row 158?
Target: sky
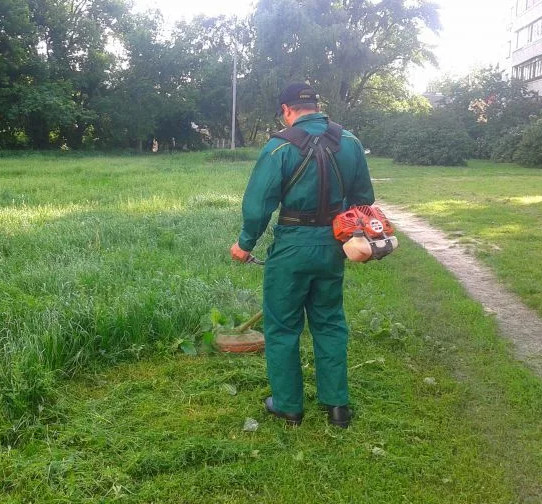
column 473, row 31
column 473, row 35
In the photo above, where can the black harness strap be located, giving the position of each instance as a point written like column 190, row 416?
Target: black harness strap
column 298, row 173
column 321, row 147
column 322, row 211
column 296, row 218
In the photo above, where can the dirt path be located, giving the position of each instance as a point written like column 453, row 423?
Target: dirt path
column 517, row 322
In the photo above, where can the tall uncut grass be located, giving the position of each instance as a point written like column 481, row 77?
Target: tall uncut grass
column 102, row 259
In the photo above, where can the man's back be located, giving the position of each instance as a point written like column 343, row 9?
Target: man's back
column 350, row 160
column 277, row 163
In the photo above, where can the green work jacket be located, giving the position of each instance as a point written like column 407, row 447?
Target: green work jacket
column 276, row 164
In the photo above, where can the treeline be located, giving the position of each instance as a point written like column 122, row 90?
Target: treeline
column 91, row 74
column 477, row 116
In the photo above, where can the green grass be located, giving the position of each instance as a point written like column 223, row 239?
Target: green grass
column 107, row 260
column 106, row 256
column 495, row 209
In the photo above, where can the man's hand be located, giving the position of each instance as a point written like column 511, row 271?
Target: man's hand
column 238, row 254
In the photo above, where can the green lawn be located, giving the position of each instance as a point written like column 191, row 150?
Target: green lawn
column 107, row 265
column 496, row 209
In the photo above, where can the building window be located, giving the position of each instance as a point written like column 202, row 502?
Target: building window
column 528, row 34
column 522, row 37
column 523, row 5
column 530, row 70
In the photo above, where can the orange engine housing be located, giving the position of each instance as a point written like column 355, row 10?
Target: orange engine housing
column 368, row 219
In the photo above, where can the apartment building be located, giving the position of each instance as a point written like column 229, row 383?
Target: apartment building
column 524, row 47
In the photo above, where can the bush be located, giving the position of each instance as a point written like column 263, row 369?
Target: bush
column 481, row 146
column 529, row 151
column 505, row 147
column 437, row 139
column 381, row 135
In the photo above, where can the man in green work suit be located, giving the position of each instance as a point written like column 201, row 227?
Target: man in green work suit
column 304, row 269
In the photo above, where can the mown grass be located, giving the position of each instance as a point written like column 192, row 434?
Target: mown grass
column 495, row 209
column 114, row 259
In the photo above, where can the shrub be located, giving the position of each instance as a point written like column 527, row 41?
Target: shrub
column 381, row 136
column 437, row 139
column 505, row 147
column 529, row 151
column 481, row 146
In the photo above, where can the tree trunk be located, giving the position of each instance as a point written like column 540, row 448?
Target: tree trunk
column 239, row 139
column 343, row 92
column 37, row 132
column 255, row 131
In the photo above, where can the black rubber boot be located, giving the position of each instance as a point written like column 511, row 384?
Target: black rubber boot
column 291, row 418
column 338, row 415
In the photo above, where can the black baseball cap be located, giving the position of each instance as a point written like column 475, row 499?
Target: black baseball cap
column 295, row 94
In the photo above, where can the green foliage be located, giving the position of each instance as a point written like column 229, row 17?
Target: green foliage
column 380, row 131
column 529, row 151
column 491, row 110
column 60, row 66
column 359, row 40
column 504, row 148
column 385, row 103
column 63, row 86
column 204, row 340
column 436, row 139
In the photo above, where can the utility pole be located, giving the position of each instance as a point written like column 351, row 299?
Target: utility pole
column 234, row 103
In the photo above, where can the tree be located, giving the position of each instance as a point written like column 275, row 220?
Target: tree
column 338, row 45
column 55, row 64
column 488, row 106
column 19, row 63
column 89, row 69
column 212, row 42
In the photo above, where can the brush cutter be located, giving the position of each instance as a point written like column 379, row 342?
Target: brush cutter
column 366, row 232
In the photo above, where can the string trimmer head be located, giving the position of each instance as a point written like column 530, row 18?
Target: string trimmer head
column 243, row 339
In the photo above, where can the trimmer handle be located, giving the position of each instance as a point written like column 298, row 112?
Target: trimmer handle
column 255, row 260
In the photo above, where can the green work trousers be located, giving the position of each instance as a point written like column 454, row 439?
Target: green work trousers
column 298, row 279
